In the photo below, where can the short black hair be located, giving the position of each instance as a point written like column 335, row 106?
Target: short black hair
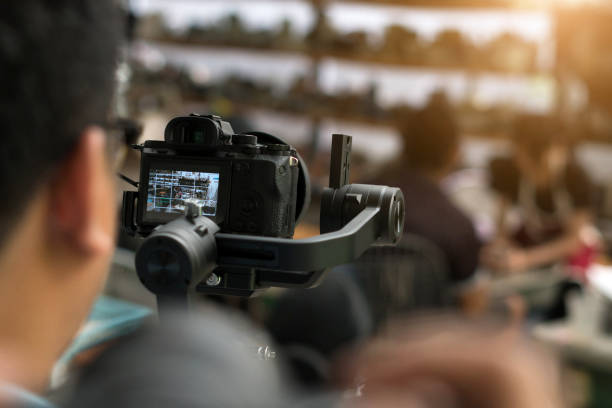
column 535, row 134
column 57, row 73
column 430, row 136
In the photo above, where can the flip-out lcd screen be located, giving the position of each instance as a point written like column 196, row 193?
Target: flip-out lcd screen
column 168, row 190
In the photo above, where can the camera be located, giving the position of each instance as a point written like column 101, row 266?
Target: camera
column 218, row 210
column 245, row 183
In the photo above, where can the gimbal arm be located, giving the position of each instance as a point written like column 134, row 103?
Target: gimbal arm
column 185, row 251
column 320, row 252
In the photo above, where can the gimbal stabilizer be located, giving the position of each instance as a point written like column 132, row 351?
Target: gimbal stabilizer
column 189, row 253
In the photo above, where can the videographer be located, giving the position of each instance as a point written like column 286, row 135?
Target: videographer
column 57, row 64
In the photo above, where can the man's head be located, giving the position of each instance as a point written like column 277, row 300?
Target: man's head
column 431, row 138
column 57, row 68
column 540, row 147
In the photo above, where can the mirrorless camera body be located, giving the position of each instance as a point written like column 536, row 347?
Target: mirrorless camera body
column 246, row 183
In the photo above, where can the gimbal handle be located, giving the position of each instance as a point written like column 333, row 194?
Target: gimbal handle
column 185, row 252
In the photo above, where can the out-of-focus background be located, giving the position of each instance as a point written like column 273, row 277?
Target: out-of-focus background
column 304, row 70
column 519, row 80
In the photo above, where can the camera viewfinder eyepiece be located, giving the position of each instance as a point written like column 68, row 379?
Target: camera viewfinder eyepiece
column 206, row 130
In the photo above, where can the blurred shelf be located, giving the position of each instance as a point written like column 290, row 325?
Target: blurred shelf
column 451, row 4
column 355, row 59
column 480, row 132
column 437, row 4
column 356, row 120
column 413, row 66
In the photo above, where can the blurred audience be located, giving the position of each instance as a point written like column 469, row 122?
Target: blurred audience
column 553, row 196
column 434, row 362
column 439, row 362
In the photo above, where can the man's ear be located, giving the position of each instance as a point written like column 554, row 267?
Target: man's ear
column 82, row 207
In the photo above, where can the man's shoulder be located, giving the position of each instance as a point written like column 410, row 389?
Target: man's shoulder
column 201, row 359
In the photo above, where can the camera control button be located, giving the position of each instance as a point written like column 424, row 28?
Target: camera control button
column 248, row 205
column 244, row 139
column 201, row 230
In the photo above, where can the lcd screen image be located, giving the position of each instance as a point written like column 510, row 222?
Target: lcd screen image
column 168, row 190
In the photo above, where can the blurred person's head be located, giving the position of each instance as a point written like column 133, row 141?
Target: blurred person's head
column 540, row 147
column 57, row 218
column 447, row 361
column 431, row 138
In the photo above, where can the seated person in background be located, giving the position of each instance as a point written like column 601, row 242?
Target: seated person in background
column 430, row 152
column 554, row 196
column 393, row 281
